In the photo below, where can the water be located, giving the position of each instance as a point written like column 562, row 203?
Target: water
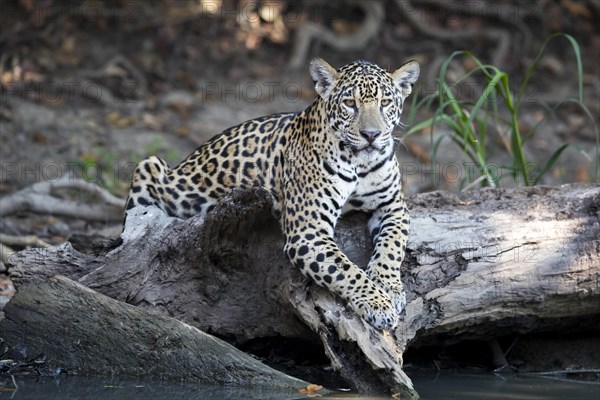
column 465, row 386
column 85, row 388
column 444, row 386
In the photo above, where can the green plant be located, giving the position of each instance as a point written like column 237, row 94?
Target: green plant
column 97, row 166
column 154, row 148
column 469, row 121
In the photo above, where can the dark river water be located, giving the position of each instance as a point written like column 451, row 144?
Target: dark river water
column 446, row 385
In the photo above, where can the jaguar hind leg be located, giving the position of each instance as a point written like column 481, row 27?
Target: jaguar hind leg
column 147, row 184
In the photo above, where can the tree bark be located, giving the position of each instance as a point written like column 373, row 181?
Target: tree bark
column 479, row 264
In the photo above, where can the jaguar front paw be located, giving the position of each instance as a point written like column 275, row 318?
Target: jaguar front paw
column 378, row 310
column 398, row 296
column 394, row 289
column 396, row 293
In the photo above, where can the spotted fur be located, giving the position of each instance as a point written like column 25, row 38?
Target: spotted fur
column 336, row 155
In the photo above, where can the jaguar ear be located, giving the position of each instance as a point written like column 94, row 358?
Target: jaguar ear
column 406, row 76
column 324, row 76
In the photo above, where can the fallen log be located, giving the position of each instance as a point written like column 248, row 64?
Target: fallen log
column 86, row 332
column 479, row 264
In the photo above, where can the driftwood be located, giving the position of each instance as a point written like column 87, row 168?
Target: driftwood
column 479, row 264
column 75, row 326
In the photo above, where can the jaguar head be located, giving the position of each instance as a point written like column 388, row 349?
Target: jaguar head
column 363, row 102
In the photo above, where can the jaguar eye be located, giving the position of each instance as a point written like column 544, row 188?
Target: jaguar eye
column 350, row 103
column 385, row 102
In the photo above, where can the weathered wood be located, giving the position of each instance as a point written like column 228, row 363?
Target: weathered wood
column 479, row 264
column 87, row 332
column 506, row 260
column 41, row 198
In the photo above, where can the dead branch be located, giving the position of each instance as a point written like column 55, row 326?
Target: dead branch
column 41, row 198
column 10, row 240
column 507, row 13
column 499, row 36
column 26, row 241
column 5, row 253
column 310, row 31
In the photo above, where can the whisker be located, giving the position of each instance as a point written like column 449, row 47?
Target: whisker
column 401, row 141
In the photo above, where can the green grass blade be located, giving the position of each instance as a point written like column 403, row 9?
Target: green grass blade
column 416, row 128
column 536, row 61
column 597, row 133
column 491, row 86
column 470, row 120
column 550, row 163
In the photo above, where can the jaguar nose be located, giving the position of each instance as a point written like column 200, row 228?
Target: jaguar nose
column 370, row 134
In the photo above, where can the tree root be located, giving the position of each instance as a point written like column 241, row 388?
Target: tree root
column 502, row 37
column 507, row 13
column 120, row 65
column 309, row 31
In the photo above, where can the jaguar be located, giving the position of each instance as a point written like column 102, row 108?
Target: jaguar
column 335, row 156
